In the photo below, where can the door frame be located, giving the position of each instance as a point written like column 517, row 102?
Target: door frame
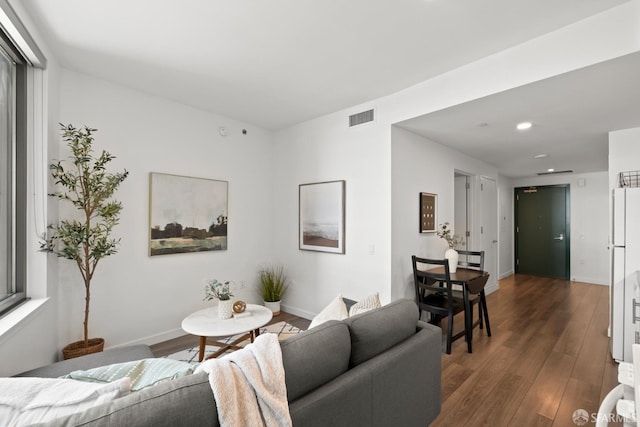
column 567, row 222
column 490, row 244
column 466, row 233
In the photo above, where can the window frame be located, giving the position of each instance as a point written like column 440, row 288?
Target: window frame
column 16, row 152
column 21, row 49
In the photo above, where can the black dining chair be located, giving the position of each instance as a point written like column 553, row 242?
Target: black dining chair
column 474, row 260
column 434, row 294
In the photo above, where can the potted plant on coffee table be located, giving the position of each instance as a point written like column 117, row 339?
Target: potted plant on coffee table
column 85, row 238
column 272, row 287
column 222, row 291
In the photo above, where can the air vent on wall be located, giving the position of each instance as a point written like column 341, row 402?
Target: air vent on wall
column 554, row 172
column 361, row 118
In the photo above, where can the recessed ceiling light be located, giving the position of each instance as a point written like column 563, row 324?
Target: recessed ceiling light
column 550, row 170
column 540, row 156
column 524, row 125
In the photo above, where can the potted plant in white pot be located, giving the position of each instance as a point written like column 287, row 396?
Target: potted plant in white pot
column 272, row 287
column 86, row 237
column 221, row 291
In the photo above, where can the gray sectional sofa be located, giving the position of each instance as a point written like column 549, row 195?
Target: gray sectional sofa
column 379, row 368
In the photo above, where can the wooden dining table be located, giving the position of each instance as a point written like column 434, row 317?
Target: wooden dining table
column 462, row 276
column 471, row 284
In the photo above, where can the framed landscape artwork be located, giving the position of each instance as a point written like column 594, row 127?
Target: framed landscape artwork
column 321, row 216
column 186, row 214
column 428, row 209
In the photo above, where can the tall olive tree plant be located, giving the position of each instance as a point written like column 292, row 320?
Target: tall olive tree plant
column 86, row 184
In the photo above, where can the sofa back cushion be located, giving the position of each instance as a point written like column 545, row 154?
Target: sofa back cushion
column 315, row 357
column 377, row 330
column 185, row 401
column 107, row 357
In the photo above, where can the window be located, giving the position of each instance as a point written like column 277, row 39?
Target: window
column 12, row 181
column 18, row 57
column 6, row 143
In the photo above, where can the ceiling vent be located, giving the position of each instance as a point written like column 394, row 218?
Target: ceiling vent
column 555, row 172
column 360, row 118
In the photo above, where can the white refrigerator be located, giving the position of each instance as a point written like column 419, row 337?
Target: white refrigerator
column 625, row 273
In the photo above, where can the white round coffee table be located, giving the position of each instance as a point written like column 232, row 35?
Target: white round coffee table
column 206, row 323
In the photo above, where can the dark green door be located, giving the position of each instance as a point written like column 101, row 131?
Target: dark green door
column 542, row 231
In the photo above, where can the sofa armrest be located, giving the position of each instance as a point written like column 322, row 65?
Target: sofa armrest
column 107, row 357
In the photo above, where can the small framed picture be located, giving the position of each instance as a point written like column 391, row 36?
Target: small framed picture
column 428, row 208
column 321, row 216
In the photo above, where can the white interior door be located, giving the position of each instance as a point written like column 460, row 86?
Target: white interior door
column 489, row 227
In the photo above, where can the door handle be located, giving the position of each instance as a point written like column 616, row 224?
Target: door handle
column 495, row 241
column 560, row 237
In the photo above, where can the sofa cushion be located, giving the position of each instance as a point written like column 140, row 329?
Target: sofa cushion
column 377, row 330
column 143, row 373
column 367, row 304
column 26, row 401
column 315, row 357
column 107, row 357
column 185, row 401
column 335, row 310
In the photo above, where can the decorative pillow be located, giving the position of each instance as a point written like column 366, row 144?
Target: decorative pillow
column 369, row 303
column 143, row 373
column 336, row 310
column 30, row 400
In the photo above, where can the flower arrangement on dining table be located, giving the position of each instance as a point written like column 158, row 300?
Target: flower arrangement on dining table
column 452, row 240
column 217, row 289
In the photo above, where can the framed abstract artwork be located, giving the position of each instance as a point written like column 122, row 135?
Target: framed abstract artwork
column 428, row 208
column 322, row 216
column 186, row 214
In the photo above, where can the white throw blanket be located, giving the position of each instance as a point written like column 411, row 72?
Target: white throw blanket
column 26, row 401
column 249, row 386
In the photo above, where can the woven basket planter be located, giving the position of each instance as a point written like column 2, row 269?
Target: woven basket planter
column 77, row 349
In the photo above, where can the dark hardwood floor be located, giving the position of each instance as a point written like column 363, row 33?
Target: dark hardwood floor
column 548, row 356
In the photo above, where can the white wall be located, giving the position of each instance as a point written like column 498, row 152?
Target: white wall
column 325, row 150
column 421, row 165
column 624, row 153
column 589, row 223
column 135, row 297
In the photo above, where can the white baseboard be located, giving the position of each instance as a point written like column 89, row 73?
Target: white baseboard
column 298, row 312
column 573, row 279
column 507, row 274
column 154, row 339
column 590, row 281
column 491, row 288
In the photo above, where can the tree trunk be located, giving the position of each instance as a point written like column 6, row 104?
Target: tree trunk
column 87, row 299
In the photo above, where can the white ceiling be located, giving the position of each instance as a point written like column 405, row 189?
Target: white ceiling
column 280, row 62
column 571, row 114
